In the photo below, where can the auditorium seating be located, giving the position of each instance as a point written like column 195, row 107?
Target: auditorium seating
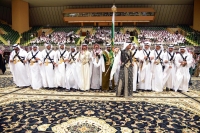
column 186, row 28
column 10, row 35
column 152, row 28
column 1, row 43
column 66, row 35
column 160, row 35
column 28, row 35
column 65, row 29
column 70, row 35
column 192, row 35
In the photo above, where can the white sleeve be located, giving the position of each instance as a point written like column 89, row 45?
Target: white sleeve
column 42, row 56
column 116, row 62
column 141, row 57
column 189, row 61
column 11, row 55
column 55, row 57
column 39, row 55
column 152, row 54
column 25, row 54
column 178, row 64
column 28, row 56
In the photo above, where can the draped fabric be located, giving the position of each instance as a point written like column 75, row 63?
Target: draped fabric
column 19, row 69
column 60, row 70
column 125, row 83
column 34, row 70
column 135, row 67
column 2, row 64
column 72, row 71
column 84, row 70
column 96, row 69
column 182, row 76
column 108, row 61
column 157, row 71
column 169, row 71
column 48, row 72
column 145, row 74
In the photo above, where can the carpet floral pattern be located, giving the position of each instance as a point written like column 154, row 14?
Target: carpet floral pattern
column 141, row 116
column 57, row 110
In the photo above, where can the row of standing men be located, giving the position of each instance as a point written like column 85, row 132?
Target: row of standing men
column 106, row 69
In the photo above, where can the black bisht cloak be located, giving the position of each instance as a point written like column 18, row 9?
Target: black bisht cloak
column 2, row 64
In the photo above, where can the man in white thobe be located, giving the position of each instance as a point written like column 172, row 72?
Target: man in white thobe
column 117, row 53
column 84, row 68
column 170, row 68
column 96, row 67
column 18, row 66
column 145, row 74
column 48, row 73
column 135, row 57
column 157, row 68
column 72, row 81
column 35, row 61
column 183, row 62
column 61, row 56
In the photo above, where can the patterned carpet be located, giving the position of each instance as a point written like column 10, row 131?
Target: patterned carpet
column 7, row 80
column 26, row 110
column 136, row 116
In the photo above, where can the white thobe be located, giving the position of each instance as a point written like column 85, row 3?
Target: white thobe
column 84, row 67
column 157, row 71
column 145, row 74
column 60, row 71
column 19, row 69
column 34, row 69
column 48, row 72
column 116, row 67
column 182, row 74
column 96, row 69
column 116, row 74
column 135, row 68
column 72, row 72
column 169, row 73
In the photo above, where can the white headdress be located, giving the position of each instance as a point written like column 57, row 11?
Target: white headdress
column 108, row 45
column 16, row 46
column 47, row 44
column 183, row 47
column 73, row 47
column 161, row 46
column 59, row 44
column 125, row 45
column 146, row 43
column 34, row 45
column 171, row 46
column 84, row 45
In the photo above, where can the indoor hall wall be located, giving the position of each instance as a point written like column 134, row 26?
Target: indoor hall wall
column 5, row 14
column 43, row 16
column 196, row 22
column 165, row 14
column 171, row 14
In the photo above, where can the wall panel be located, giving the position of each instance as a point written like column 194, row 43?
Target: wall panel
column 196, row 24
column 165, row 14
column 6, row 14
